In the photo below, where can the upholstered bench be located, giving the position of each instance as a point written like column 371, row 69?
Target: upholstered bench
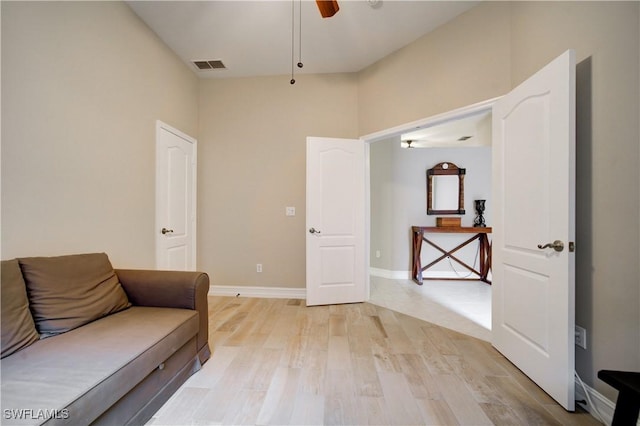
column 628, row 404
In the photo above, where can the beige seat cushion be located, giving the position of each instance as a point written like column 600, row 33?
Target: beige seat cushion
column 66, row 292
column 88, row 369
column 18, row 329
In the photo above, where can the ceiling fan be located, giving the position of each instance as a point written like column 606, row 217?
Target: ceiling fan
column 328, row 8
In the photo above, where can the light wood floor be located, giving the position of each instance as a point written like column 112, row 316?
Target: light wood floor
column 276, row 361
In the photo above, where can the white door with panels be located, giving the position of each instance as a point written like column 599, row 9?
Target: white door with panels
column 533, row 292
column 335, row 231
column 176, row 160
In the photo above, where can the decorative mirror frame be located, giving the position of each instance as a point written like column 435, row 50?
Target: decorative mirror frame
column 445, row 169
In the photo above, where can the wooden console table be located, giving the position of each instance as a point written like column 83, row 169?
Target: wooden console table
column 480, row 234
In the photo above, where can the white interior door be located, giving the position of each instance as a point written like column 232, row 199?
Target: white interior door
column 336, row 263
column 534, row 195
column 175, row 199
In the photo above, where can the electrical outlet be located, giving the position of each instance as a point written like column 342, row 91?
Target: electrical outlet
column 581, row 337
column 258, row 267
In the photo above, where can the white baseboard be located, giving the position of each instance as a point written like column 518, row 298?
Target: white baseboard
column 602, row 404
column 392, row 275
column 266, row 292
column 406, row 275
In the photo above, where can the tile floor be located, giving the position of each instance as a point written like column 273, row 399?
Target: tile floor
column 463, row 306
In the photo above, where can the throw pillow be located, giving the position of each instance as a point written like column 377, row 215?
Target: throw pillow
column 69, row 291
column 18, row 329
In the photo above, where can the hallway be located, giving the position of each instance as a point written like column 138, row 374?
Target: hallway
column 463, row 306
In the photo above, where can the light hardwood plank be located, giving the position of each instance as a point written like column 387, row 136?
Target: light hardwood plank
column 475, row 379
column 341, row 405
column 501, row 414
column 308, row 409
column 401, row 406
column 376, row 322
column 245, row 408
column 579, row 418
column 339, row 357
column 262, row 367
column 295, row 351
column 523, row 404
column 530, row 387
column 312, row 374
column 359, row 340
column 277, row 407
column 465, row 408
column 373, row 411
column 436, row 412
column 399, row 342
column 418, row 377
column 367, row 381
column 276, row 361
column 213, row 370
column 180, row 406
column 337, row 325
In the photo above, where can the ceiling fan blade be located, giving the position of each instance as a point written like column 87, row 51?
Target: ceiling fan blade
column 328, row 8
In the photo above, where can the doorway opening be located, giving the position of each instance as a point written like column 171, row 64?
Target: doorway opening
column 398, row 164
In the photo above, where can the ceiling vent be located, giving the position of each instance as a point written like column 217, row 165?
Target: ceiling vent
column 209, row 65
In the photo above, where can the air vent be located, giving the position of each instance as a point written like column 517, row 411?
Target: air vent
column 209, row 65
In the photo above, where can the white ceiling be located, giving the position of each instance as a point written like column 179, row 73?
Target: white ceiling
column 254, row 38
column 474, row 130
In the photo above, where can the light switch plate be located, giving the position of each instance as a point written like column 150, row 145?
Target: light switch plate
column 290, row 211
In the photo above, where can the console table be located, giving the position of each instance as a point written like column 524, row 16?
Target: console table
column 480, row 234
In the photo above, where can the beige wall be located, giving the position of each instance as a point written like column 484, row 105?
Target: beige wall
column 503, row 43
column 82, row 86
column 252, row 149
column 461, row 63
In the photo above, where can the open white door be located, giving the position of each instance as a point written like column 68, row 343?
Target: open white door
column 336, row 263
column 534, row 195
column 175, row 199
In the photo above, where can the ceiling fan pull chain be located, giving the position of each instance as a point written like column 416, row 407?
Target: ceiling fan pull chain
column 300, row 65
column 293, row 31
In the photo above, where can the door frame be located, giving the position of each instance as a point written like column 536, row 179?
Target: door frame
column 381, row 135
column 160, row 126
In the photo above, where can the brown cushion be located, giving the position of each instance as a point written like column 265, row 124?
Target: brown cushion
column 66, row 292
column 18, row 330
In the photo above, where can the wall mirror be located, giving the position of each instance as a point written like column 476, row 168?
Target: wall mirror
column 445, row 189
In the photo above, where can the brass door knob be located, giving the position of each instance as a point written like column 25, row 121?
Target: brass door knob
column 166, row 231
